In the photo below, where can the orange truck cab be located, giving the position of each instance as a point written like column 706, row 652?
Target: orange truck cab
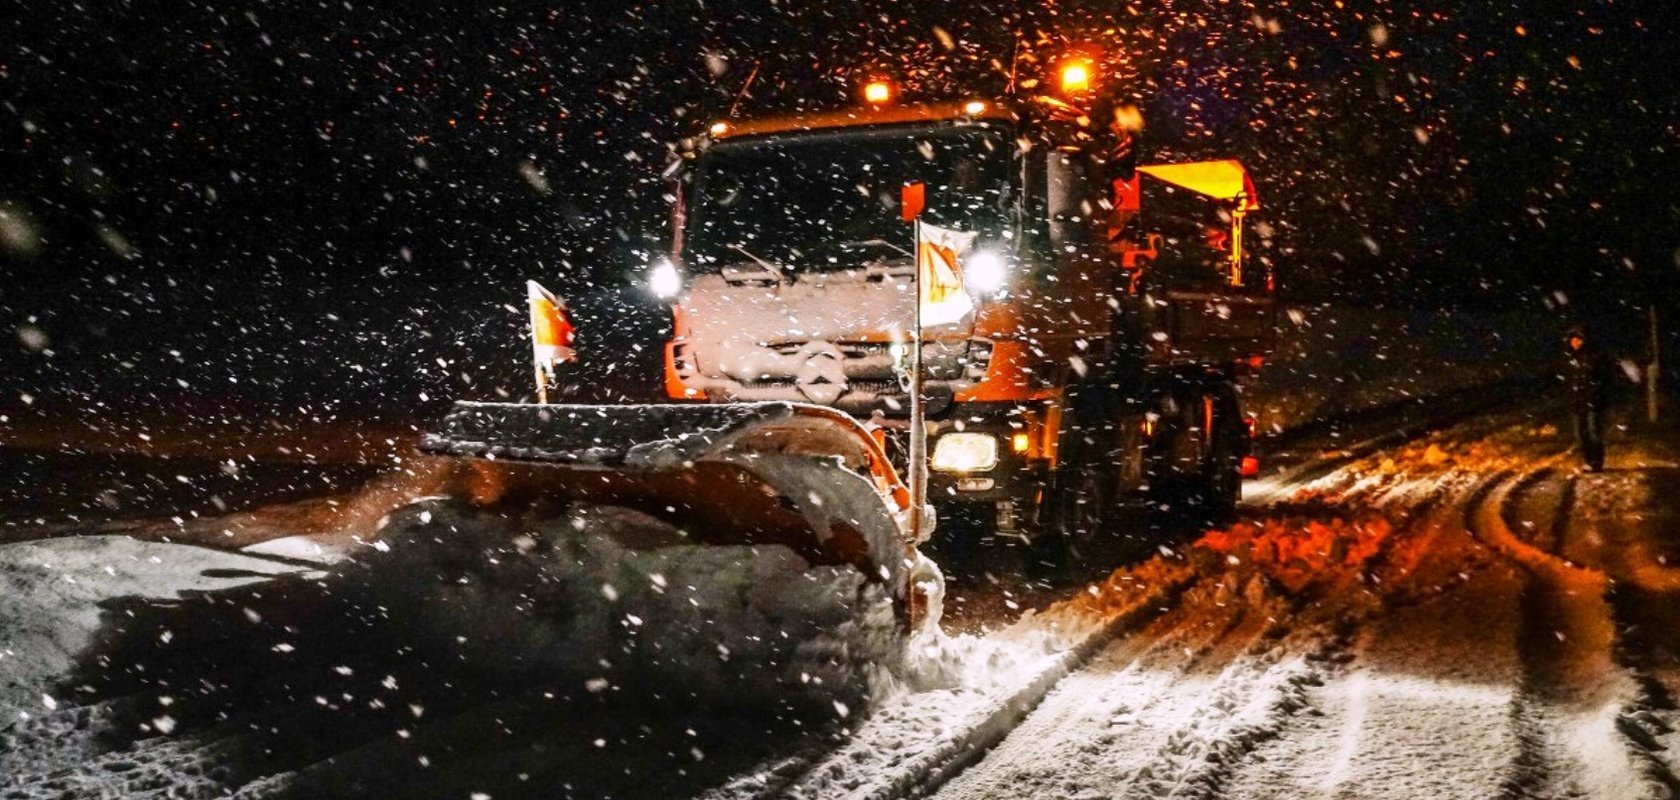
column 1084, row 373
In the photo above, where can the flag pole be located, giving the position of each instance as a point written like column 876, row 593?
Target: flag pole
column 542, row 384
column 918, row 422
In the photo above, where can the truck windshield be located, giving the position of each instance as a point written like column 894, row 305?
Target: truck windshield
column 830, row 200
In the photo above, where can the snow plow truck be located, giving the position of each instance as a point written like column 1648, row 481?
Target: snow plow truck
column 1071, row 367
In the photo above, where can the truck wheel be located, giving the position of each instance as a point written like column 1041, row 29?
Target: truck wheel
column 1224, row 468
column 1085, row 504
column 1175, row 458
column 1083, row 512
column 958, row 542
column 1047, row 555
column 1194, row 474
column 1222, row 486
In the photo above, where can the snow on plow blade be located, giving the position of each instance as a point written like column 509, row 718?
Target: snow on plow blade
column 782, row 473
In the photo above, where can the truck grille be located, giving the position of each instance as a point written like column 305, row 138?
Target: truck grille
column 870, row 363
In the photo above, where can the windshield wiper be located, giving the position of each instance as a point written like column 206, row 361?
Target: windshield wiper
column 862, row 244
column 780, row 274
column 878, row 243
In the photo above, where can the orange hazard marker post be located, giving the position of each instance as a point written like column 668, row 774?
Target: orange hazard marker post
column 552, row 336
column 940, row 299
column 912, row 201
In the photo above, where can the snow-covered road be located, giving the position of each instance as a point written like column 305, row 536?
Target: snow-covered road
column 1399, row 625
column 1460, row 614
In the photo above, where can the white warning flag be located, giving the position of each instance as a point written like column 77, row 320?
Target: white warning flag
column 939, row 278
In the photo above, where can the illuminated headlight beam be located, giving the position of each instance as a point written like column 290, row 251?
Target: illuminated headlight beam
column 965, row 452
column 985, row 271
column 663, row 279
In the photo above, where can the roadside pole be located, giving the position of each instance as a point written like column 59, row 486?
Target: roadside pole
column 1652, row 369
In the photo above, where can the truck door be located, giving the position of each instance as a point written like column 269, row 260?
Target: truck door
column 1078, row 279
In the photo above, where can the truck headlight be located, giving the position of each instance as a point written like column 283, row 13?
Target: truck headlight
column 985, row 271
column 965, row 452
column 664, row 280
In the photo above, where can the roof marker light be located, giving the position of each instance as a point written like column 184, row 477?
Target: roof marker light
column 719, row 128
column 974, row 108
column 1076, row 76
column 878, row 92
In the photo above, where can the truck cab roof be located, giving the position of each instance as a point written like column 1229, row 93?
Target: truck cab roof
column 865, row 116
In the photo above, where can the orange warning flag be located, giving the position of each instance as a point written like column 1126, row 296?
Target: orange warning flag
column 551, row 332
column 912, row 200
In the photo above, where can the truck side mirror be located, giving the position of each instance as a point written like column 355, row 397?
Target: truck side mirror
column 1069, row 207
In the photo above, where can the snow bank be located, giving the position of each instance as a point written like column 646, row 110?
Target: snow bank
column 613, row 597
column 615, row 600
column 53, row 592
column 578, row 627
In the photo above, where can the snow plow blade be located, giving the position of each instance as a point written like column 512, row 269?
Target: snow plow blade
column 802, row 476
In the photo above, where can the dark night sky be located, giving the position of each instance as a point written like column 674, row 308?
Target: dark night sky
column 334, row 204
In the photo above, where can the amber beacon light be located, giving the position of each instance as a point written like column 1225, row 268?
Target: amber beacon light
column 1075, row 76
column 878, row 92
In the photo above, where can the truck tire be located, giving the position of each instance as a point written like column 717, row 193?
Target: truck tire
column 1222, row 483
column 1195, row 458
column 1047, row 555
column 1230, row 445
column 1085, row 503
column 1174, row 455
column 960, row 538
column 1081, row 507
column 1082, row 512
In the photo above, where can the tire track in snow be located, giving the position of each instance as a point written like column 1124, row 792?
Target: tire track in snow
column 1577, row 705
column 1216, row 746
column 914, row 744
column 1421, row 708
column 1423, row 664
column 1198, row 731
column 1192, row 760
column 1623, row 522
column 1251, row 701
column 1204, row 731
column 1108, row 722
